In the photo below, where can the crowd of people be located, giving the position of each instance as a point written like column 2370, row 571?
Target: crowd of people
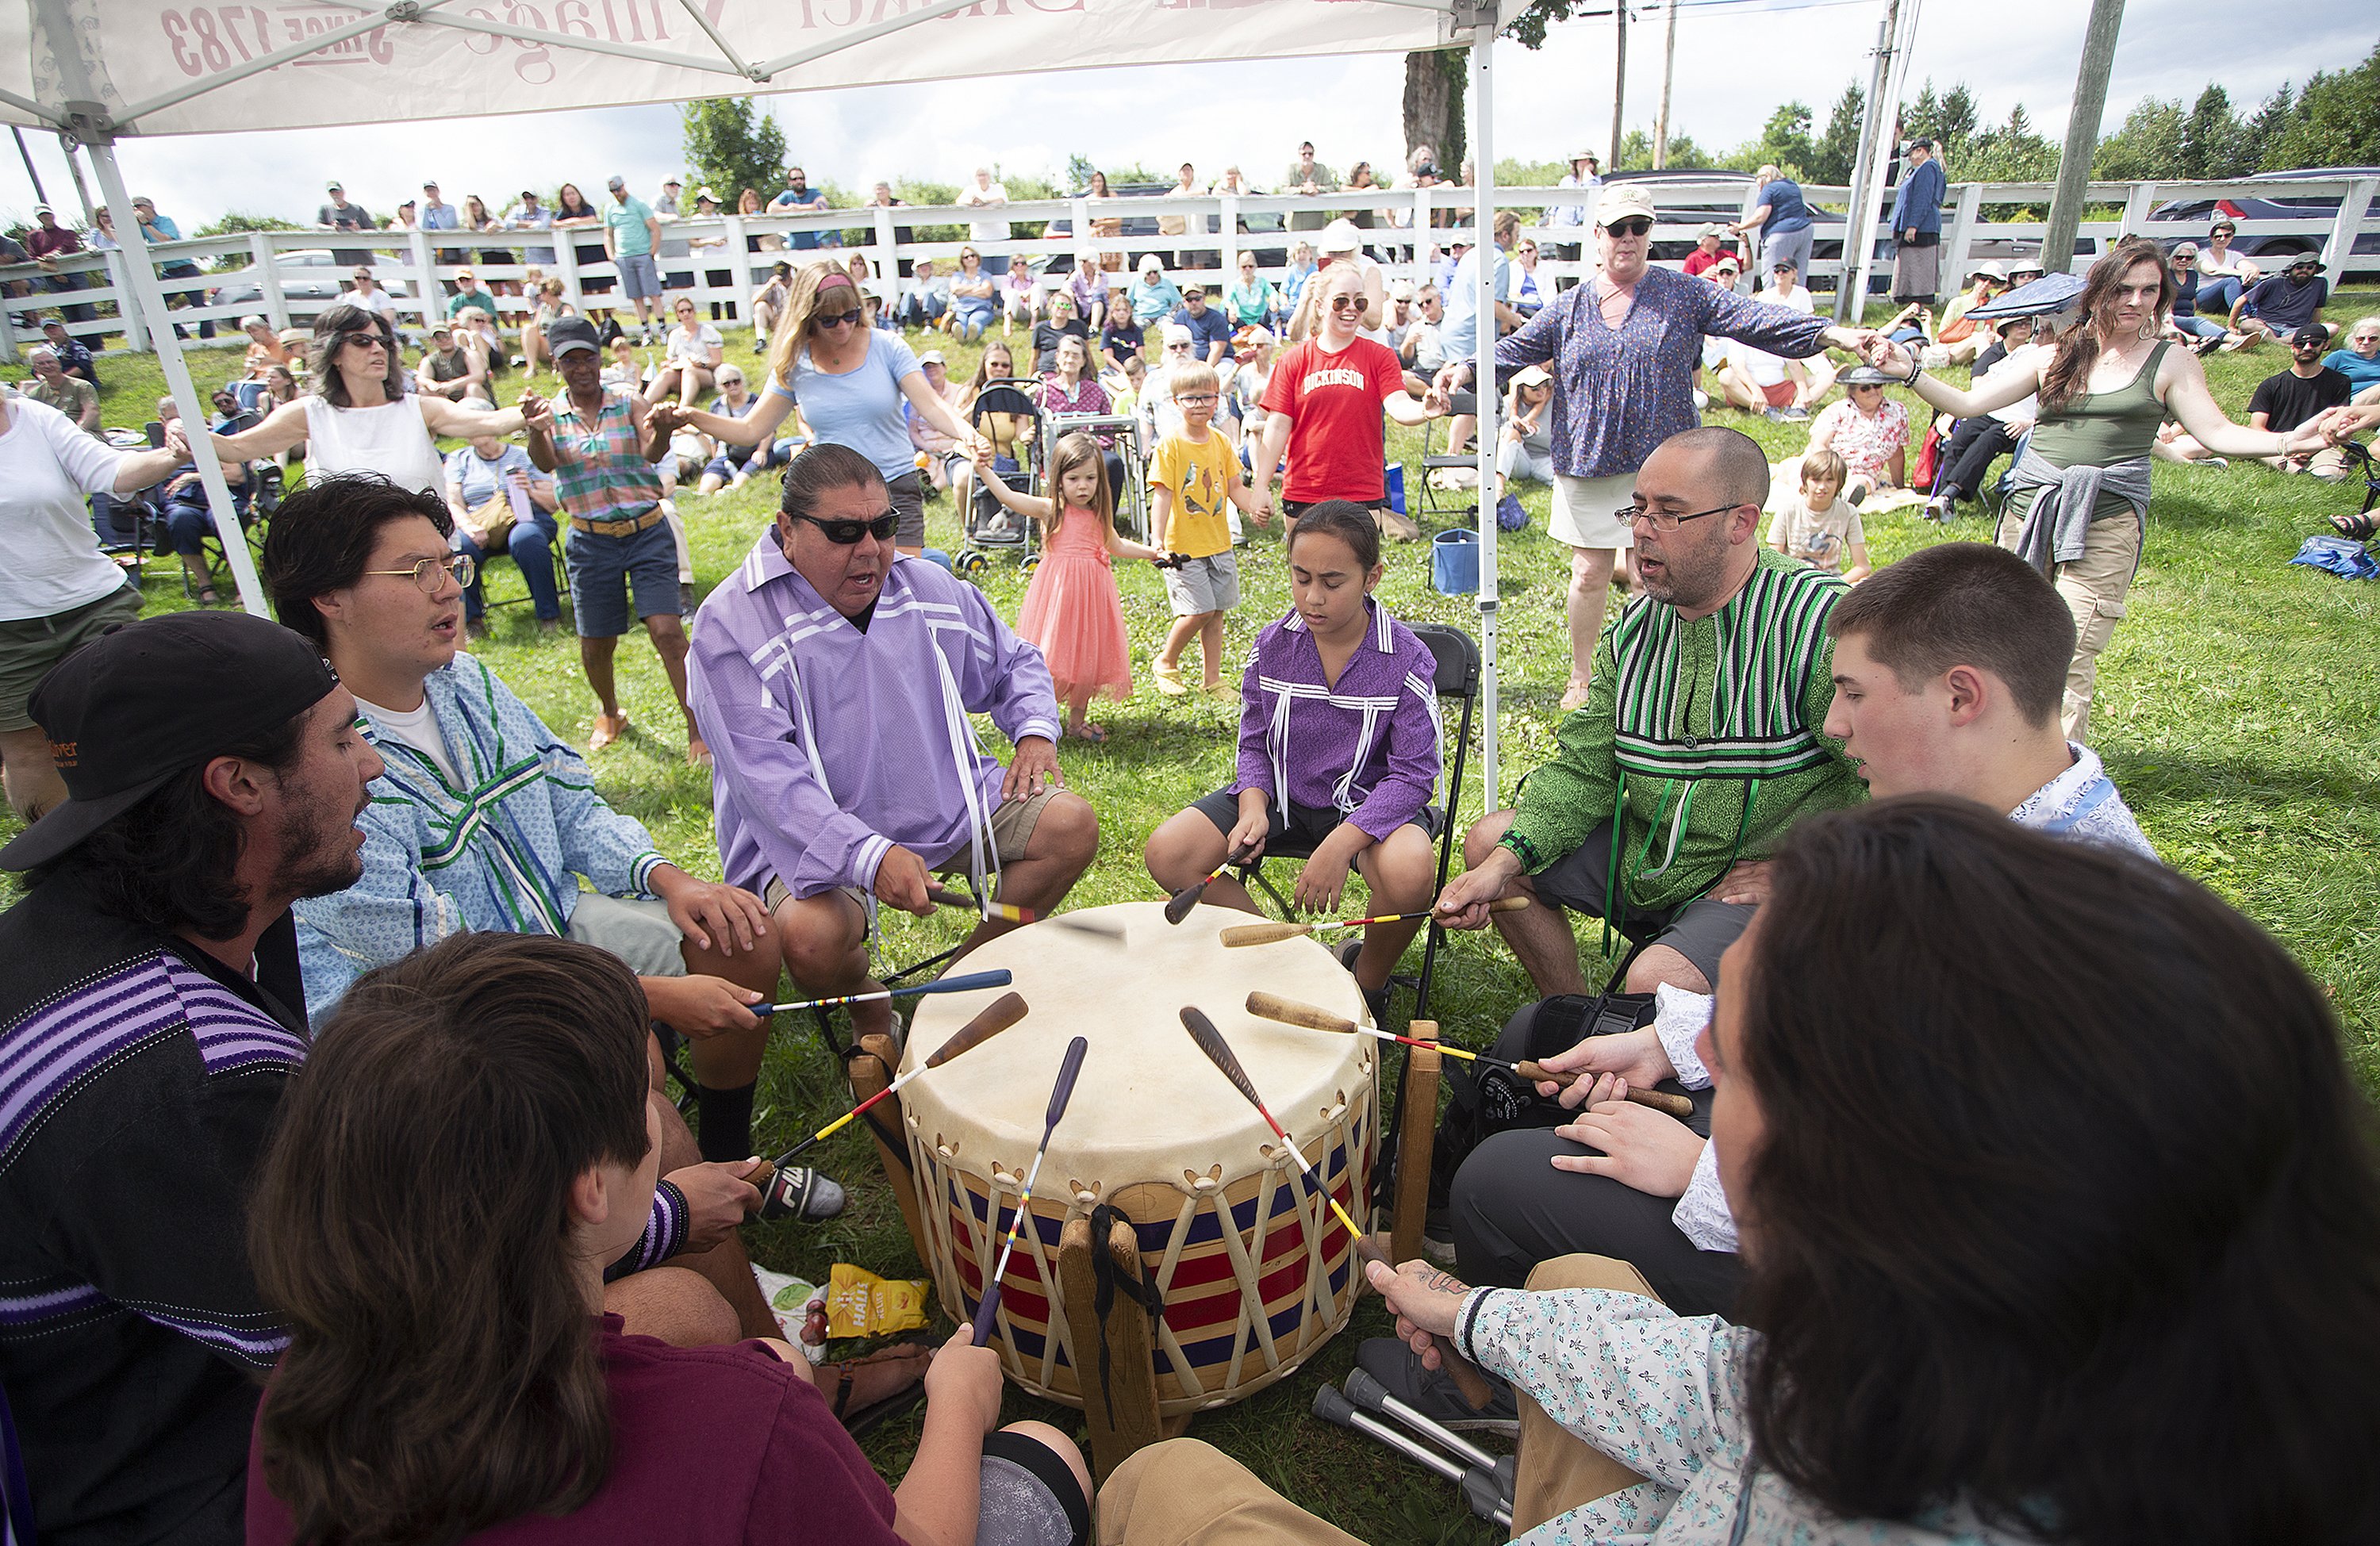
column 343, row 1200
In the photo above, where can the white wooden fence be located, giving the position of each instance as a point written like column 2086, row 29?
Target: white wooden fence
column 708, row 258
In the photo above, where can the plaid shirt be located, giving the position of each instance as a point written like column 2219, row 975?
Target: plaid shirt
column 600, row 469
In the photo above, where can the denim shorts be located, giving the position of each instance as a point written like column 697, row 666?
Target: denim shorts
column 602, row 569
column 640, row 278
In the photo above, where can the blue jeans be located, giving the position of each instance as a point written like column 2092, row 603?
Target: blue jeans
column 2199, row 327
column 189, row 524
column 970, row 315
column 531, row 545
column 2217, row 296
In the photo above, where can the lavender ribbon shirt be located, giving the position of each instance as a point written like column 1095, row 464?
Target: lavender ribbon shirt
column 1366, row 746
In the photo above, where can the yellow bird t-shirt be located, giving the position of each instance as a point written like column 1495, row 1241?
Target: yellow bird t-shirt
column 1200, row 478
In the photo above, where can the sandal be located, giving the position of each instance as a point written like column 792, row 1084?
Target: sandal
column 1092, row 733
column 876, row 1413
column 608, row 728
column 207, row 597
column 2356, row 528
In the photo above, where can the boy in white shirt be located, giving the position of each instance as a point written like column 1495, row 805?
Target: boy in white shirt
column 1818, row 526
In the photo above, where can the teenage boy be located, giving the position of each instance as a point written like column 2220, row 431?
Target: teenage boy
column 1190, row 478
column 484, row 819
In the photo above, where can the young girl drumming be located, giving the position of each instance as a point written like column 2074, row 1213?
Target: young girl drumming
column 1339, row 748
column 1071, row 612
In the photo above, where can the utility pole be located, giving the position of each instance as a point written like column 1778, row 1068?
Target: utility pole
column 2081, row 134
column 1669, row 70
column 1859, row 227
column 1618, row 78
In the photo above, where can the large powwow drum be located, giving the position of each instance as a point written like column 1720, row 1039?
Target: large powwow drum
column 1255, row 1271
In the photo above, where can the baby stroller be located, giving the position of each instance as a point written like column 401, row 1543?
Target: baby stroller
column 1127, row 463
column 987, row 525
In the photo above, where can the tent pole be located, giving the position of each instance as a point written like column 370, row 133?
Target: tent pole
column 1483, row 248
column 151, row 298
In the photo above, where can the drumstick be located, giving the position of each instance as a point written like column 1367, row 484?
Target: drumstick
column 1004, row 1012
column 1265, row 934
column 1289, row 1011
column 1211, row 1041
column 1007, row 912
column 1059, row 1096
column 965, row 983
column 1179, row 906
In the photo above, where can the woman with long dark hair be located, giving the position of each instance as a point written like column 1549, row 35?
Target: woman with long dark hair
column 468, row 1146
column 362, row 415
column 2078, row 503
column 2059, row 1208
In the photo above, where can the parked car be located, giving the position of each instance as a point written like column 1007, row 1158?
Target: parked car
column 2273, row 248
column 308, row 274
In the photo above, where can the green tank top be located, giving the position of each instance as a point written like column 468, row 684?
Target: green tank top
column 2099, row 430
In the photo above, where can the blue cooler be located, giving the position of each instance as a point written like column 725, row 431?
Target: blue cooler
column 1454, row 562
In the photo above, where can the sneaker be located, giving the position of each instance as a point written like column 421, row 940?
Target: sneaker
column 1936, row 509
column 1793, row 416
column 812, row 1197
column 1858, row 495
column 1432, row 1392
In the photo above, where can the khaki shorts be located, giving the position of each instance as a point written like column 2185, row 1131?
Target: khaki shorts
column 31, row 645
column 1012, row 831
column 639, row 930
column 1582, row 510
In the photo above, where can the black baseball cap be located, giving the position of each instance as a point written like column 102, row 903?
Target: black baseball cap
column 149, row 699
column 2312, row 332
column 567, row 335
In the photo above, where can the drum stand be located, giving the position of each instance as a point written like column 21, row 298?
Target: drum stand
column 1108, row 1302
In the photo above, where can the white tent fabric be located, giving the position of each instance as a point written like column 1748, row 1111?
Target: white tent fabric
column 102, row 70
column 162, row 66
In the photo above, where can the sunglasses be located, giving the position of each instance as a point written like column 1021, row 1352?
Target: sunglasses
column 837, row 319
column 363, row 335
column 1634, row 225
column 1346, row 303
column 847, row 533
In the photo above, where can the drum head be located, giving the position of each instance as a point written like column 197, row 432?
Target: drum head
column 1149, row 1104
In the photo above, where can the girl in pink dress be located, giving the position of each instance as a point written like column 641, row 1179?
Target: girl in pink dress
column 1071, row 612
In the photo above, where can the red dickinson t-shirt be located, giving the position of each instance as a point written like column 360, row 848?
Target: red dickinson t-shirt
column 1336, row 441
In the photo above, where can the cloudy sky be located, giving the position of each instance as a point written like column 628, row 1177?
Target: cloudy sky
column 1736, row 60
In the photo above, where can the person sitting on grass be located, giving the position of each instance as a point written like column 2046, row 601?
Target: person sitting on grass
column 2291, row 397
column 1339, row 750
column 1192, row 478
column 731, row 467
column 471, row 1145
column 1818, row 525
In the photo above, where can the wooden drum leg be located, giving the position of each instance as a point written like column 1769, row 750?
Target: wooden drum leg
column 1123, row 1415
column 871, row 1071
column 1416, row 1129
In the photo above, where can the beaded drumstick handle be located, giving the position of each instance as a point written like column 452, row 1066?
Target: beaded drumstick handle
column 1265, row 934
column 1059, row 1096
column 965, row 983
column 1219, row 1052
column 1002, row 1013
column 1178, row 907
column 1289, row 1011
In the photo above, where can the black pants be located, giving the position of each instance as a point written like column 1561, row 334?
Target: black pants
column 1511, row 1209
column 1974, row 445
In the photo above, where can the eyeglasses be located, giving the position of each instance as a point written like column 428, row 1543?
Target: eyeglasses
column 847, row 533
column 1196, row 397
column 1634, row 225
column 837, row 319
column 1662, row 520
column 425, row 573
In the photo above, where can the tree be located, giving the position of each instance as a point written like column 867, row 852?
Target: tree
column 1956, row 125
column 1836, row 153
column 2011, row 155
column 727, row 150
column 2335, row 122
column 1079, row 168
column 1784, row 142
column 2262, row 135
column 2149, row 146
column 1433, row 103
column 237, row 222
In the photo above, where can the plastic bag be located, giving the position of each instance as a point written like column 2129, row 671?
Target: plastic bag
column 1510, row 516
column 859, row 1303
column 2349, row 560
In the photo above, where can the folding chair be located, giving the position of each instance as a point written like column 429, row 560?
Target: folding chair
column 1463, row 403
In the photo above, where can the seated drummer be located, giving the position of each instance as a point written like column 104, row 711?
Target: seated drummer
column 1339, row 748
column 1698, row 747
column 445, row 1302
column 832, row 680
column 484, row 819
column 1993, row 1304
column 1950, row 669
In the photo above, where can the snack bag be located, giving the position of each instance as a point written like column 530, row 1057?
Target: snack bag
column 859, row 1303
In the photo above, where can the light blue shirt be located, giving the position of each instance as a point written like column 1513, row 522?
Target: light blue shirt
column 1459, row 333
column 440, row 217
column 626, row 218
column 859, row 408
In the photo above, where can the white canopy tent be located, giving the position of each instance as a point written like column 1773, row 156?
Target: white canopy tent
column 99, row 70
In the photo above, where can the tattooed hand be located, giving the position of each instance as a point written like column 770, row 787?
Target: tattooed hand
column 1426, row 1302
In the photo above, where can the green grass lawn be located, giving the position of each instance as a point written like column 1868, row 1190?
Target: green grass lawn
column 2237, row 710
